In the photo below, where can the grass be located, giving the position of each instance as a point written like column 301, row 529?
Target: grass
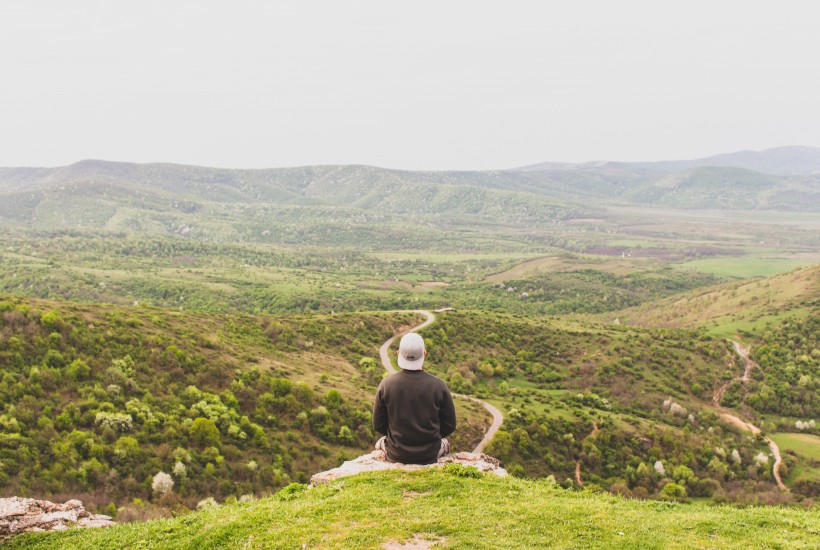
column 805, row 445
column 746, row 267
column 369, row 510
column 732, row 326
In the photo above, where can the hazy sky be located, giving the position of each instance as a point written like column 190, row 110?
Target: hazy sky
column 419, row 85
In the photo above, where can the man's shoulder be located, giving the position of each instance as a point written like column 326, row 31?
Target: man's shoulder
column 432, row 378
column 418, row 377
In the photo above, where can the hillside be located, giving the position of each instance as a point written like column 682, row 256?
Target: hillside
column 99, row 399
column 745, row 305
column 454, row 509
column 779, row 319
column 163, row 198
column 96, row 400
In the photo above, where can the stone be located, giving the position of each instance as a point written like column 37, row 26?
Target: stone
column 377, row 460
column 19, row 515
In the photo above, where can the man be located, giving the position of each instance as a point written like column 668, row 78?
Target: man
column 413, row 409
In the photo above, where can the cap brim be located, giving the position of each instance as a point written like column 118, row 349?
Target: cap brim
column 407, row 364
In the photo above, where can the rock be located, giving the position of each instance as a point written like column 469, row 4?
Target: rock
column 376, row 461
column 18, row 515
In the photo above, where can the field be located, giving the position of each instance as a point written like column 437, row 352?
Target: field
column 806, row 445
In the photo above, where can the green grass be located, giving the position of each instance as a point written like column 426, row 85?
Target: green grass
column 369, row 510
column 746, row 267
column 730, row 326
column 805, row 445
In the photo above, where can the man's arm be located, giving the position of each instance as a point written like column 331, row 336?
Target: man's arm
column 379, row 413
column 447, row 414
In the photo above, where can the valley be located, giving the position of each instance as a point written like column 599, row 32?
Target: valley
column 224, row 326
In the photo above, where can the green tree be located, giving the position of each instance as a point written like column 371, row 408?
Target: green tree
column 205, row 433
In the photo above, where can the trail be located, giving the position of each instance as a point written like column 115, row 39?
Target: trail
column 593, row 433
column 738, row 422
column 498, row 418
column 749, row 364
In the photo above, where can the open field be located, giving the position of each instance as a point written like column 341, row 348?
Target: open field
column 806, row 445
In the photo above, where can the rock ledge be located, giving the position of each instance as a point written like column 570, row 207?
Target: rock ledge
column 18, row 515
column 376, row 461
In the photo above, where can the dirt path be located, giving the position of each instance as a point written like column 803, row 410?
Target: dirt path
column 748, row 366
column 498, row 418
column 593, row 433
column 738, row 422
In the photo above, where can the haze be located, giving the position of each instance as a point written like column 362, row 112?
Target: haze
column 423, row 85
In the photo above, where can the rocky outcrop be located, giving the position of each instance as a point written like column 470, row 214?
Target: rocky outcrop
column 376, row 461
column 18, row 515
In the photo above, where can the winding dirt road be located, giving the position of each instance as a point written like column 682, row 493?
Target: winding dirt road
column 498, row 418
column 738, row 422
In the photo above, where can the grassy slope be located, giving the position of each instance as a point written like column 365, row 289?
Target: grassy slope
column 732, row 306
column 369, row 510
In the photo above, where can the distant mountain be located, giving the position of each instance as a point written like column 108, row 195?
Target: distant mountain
column 156, row 197
column 781, row 161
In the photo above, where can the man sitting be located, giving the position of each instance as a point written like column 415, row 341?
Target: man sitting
column 413, row 409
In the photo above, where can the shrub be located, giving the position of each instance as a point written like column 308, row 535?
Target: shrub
column 673, row 491
column 116, row 421
column 207, row 503
column 162, row 483
column 205, row 433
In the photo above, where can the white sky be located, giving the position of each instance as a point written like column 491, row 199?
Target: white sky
column 418, row 85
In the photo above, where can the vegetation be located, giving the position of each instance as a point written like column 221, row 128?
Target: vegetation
column 630, row 407
column 97, row 401
column 173, row 338
column 369, row 510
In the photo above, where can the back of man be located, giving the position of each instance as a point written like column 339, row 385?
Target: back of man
column 413, row 409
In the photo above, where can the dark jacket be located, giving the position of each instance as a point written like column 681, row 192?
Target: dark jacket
column 415, row 410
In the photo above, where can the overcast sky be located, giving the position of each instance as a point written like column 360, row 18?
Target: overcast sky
column 417, row 85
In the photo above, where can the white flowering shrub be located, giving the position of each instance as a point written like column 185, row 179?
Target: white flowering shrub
column 659, row 468
column 117, row 421
column 162, row 483
column 677, row 410
column 180, row 471
column 206, row 503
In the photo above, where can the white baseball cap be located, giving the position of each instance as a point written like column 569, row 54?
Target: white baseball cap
column 411, row 351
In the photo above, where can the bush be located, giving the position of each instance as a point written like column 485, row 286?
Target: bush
column 291, row 491
column 460, row 470
column 673, row 491
column 806, row 486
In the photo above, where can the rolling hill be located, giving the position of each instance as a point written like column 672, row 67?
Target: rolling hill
column 112, row 195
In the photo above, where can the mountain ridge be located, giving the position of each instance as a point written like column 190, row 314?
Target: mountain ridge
column 787, row 160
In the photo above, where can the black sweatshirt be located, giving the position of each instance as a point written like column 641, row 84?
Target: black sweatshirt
column 414, row 409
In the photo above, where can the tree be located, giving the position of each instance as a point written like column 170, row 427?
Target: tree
column 205, row 433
